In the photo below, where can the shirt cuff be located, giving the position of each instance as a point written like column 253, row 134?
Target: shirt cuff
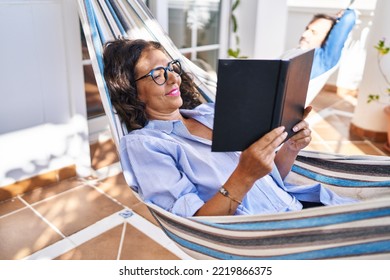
column 187, row 205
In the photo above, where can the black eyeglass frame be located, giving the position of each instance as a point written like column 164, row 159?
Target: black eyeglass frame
column 169, row 68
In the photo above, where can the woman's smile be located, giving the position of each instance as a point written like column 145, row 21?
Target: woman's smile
column 174, row 92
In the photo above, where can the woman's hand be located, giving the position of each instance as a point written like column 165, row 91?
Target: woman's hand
column 258, row 159
column 288, row 152
column 255, row 162
column 302, row 137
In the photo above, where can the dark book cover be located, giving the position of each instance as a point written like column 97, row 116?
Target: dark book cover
column 255, row 96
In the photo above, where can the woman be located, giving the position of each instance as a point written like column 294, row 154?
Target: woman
column 168, row 151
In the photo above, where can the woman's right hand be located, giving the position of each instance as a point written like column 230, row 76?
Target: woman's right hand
column 258, row 159
column 255, row 162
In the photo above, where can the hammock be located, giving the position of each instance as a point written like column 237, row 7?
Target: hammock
column 316, row 84
column 359, row 230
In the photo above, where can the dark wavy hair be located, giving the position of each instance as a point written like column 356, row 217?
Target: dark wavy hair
column 120, row 58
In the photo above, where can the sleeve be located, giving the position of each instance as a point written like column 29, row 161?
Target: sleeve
column 329, row 54
column 153, row 166
column 317, row 193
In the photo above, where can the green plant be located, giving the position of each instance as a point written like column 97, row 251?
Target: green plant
column 382, row 50
column 235, row 53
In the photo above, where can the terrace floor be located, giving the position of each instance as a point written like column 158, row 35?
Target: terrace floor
column 98, row 218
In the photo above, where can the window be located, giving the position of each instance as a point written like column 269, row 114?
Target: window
column 94, row 104
column 194, row 27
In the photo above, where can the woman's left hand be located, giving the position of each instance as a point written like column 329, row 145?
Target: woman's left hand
column 287, row 154
column 302, row 137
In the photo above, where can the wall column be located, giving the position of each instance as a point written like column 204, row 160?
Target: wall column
column 369, row 119
column 271, row 24
column 262, row 27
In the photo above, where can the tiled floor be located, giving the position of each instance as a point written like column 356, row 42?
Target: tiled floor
column 99, row 217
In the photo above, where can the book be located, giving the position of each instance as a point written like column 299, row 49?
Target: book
column 255, row 96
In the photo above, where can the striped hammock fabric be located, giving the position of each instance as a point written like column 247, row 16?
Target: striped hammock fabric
column 354, row 231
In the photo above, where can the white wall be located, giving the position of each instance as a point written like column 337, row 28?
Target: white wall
column 43, row 122
column 271, row 25
column 33, row 64
column 262, row 27
column 370, row 116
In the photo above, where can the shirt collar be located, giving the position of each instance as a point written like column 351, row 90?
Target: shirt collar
column 177, row 125
column 163, row 126
column 201, row 110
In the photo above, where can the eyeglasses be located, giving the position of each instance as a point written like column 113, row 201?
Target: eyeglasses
column 160, row 74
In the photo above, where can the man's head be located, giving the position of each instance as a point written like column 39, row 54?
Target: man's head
column 316, row 31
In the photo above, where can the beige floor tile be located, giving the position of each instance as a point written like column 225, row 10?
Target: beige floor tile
column 103, row 247
column 334, row 127
column 77, row 209
column 51, row 190
column 328, row 133
column 325, row 99
column 137, row 246
column 23, row 233
column 318, row 146
column 144, row 212
column 340, row 122
column 353, row 148
column 103, row 154
column 10, row 205
column 344, row 106
column 315, row 137
column 117, row 188
column 367, row 148
column 380, row 146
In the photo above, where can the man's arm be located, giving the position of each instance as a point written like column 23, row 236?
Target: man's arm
column 329, row 54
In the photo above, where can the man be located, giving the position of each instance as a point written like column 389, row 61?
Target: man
column 327, row 35
column 316, row 31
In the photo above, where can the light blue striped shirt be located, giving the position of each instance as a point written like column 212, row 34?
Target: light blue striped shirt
column 177, row 171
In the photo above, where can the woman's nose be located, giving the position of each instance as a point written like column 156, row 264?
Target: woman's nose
column 172, row 76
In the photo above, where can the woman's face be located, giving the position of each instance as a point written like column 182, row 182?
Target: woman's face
column 162, row 101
